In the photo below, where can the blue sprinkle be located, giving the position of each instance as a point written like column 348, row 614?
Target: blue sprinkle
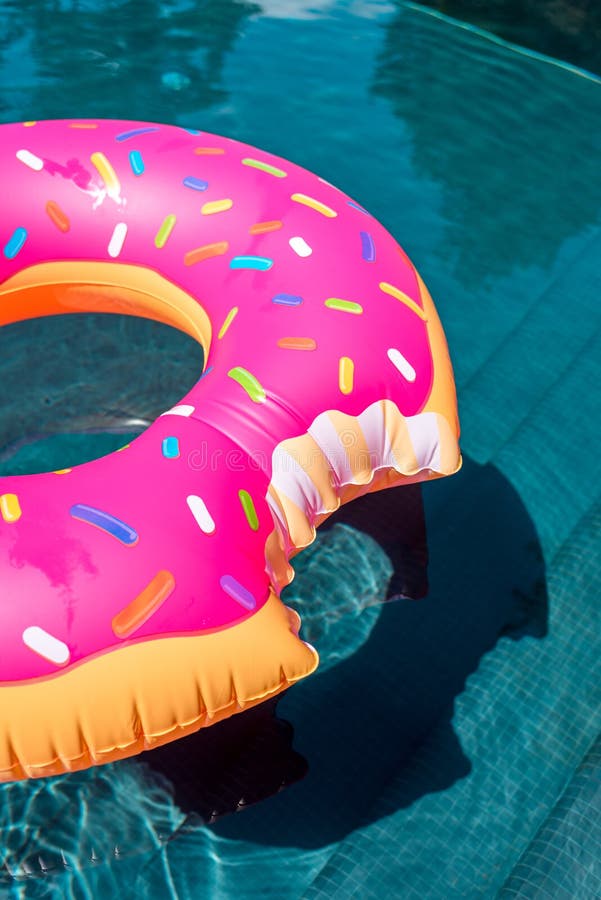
column 126, row 135
column 197, row 184
column 262, row 263
column 15, row 242
column 206, row 372
column 103, row 520
column 136, row 162
column 356, row 206
column 368, row 248
column 170, row 448
column 287, row 299
column 192, row 131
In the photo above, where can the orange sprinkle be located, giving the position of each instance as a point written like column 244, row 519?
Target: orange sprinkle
column 297, row 343
column 209, row 151
column 29, row 123
column 57, row 216
column 264, row 227
column 83, row 125
column 144, row 605
column 206, row 252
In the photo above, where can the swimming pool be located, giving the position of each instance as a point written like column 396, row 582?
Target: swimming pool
column 449, row 747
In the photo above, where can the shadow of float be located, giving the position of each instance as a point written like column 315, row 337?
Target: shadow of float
column 381, row 704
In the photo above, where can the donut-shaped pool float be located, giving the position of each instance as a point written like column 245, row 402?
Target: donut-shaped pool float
column 140, row 592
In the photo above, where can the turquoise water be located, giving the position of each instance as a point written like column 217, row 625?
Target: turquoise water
column 449, row 747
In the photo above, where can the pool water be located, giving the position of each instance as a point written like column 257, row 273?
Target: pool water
column 449, row 745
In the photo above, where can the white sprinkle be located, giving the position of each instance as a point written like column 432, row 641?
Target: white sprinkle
column 399, row 362
column 199, row 510
column 182, row 410
column 117, row 239
column 46, row 645
column 300, row 246
column 30, row 159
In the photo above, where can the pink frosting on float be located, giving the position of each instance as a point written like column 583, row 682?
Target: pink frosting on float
column 88, row 542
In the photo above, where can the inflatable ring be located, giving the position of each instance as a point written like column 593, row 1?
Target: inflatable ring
column 140, row 592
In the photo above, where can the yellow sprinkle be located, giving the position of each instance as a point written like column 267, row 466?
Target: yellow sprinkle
column 124, row 447
column 314, row 204
column 215, row 206
column 62, row 471
column 399, row 295
column 10, row 507
column 29, row 124
column 107, row 173
column 228, row 321
column 346, row 370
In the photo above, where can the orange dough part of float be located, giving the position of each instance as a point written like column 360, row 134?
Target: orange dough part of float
column 140, row 593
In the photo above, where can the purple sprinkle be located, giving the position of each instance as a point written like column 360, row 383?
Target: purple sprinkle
column 287, row 300
column 126, row 135
column 197, row 184
column 368, row 248
column 356, row 206
column 237, row 592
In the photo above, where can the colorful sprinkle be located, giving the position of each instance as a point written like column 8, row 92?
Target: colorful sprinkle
column 192, row 130
column 368, row 248
column 264, row 167
column 107, row 173
column 201, row 514
column 261, row 263
column 10, row 507
column 170, row 448
column 297, row 343
column 46, row 645
column 346, row 371
column 216, row 206
column 136, row 613
column 83, row 125
column 196, row 184
column 183, row 409
column 136, row 162
column 15, row 243
column 249, row 509
column 164, row 231
column 314, row 204
column 348, row 306
column 250, row 384
column 126, row 135
column 105, row 522
column 287, row 300
column 228, row 321
column 400, row 363
column 206, row 252
column 209, row 151
column 62, row 471
column 237, row 592
column 265, row 227
column 356, row 206
column 29, row 123
column 117, row 239
column 400, row 295
column 30, row 160
column 57, row 216
column 300, row 246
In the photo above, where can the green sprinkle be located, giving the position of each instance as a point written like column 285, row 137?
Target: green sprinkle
column 164, row 231
column 264, row 167
column 344, row 305
column 249, row 383
column 249, row 509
